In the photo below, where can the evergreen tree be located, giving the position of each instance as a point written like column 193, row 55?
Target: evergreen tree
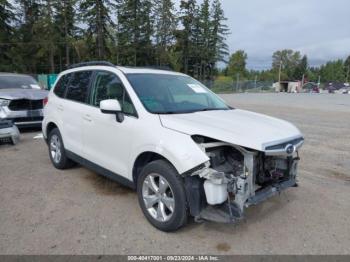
column 23, row 53
column 96, row 15
column 134, row 32
column 203, row 38
column 185, row 36
column 45, row 36
column 301, row 68
column 219, row 33
column 7, row 17
column 347, row 69
column 65, row 20
column 165, row 27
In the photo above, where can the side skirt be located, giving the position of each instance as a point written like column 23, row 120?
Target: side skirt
column 100, row 170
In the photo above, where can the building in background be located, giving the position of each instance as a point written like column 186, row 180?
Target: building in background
column 288, row 86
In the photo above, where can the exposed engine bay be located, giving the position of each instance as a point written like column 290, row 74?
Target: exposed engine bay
column 235, row 178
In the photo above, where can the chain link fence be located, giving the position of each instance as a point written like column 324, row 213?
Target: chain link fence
column 224, row 86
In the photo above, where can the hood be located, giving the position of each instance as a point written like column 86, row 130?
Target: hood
column 21, row 93
column 238, row 127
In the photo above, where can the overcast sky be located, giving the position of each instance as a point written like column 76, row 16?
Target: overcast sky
column 318, row 28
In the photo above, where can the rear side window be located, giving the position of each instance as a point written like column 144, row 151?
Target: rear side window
column 78, row 86
column 61, row 85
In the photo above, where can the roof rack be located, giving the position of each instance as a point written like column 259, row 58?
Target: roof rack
column 91, row 63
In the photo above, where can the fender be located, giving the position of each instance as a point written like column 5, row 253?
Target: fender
column 178, row 148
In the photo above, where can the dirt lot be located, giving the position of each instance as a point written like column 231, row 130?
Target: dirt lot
column 46, row 211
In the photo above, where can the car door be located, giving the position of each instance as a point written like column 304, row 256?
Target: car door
column 107, row 142
column 73, row 110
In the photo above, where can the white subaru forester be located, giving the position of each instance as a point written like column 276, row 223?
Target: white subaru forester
column 185, row 151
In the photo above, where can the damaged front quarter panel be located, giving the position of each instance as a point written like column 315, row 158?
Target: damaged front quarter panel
column 235, row 178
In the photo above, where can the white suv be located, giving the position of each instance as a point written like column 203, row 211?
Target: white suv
column 185, row 151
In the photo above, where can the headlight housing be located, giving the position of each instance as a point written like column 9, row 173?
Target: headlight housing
column 4, row 102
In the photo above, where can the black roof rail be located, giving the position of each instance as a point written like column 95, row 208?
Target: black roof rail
column 91, row 63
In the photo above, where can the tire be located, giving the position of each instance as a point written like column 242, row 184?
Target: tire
column 58, row 158
column 161, row 172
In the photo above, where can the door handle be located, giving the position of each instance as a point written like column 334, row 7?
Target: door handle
column 87, row 118
column 60, row 107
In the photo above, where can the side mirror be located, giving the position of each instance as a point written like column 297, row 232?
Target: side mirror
column 112, row 106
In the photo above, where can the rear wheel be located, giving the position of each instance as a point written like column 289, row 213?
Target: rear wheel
column 162, row 196
column 57, row 151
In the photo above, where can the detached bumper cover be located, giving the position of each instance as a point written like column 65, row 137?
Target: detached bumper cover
column 8, row 131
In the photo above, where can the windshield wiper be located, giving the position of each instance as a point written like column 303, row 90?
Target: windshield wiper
column 166, row 113
column 210, row 109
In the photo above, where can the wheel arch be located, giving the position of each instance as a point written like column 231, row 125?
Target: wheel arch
column 143, row 159
column 49, row 127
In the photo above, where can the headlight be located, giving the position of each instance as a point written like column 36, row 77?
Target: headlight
column 4, row 102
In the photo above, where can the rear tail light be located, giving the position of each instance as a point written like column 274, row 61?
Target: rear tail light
column 45, row 101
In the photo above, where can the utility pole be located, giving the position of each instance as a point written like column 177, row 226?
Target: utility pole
column 319, row 82
column 302, row 81
column 279, row 76
column 237, row 81
column 256, row 78
column 279, row 73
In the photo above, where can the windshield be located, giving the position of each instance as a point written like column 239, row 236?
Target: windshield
column 18, row 81
column 174, row 94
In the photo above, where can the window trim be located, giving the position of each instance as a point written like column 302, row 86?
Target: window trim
column 88, row 87
column 135, row 115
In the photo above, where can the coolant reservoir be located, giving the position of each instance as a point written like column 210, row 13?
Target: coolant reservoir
column 215, row 193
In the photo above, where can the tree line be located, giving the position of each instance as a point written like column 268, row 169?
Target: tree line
column 46, row 36
column 289, row 65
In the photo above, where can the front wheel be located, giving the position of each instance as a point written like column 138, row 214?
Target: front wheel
column 162, row 196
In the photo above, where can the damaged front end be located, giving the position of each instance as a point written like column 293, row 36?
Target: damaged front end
column 236, row 178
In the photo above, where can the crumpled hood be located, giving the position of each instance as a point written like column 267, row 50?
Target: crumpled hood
column 21, row 93
column 238, row 127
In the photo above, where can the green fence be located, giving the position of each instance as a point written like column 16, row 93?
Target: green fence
column 47, row 81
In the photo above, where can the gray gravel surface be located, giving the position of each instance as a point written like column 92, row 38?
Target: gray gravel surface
column 46, row 211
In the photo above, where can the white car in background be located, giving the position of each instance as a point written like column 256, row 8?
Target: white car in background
column 183, row 149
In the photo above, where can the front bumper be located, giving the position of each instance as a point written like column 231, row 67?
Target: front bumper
column 246, row 189
column 24, row 118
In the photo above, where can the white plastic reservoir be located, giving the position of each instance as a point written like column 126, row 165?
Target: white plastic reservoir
column 216, row 194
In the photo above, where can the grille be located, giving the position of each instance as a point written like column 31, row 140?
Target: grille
column 25, row 104
column 283, row 145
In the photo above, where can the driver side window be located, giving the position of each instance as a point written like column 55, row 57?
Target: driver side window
column 108, row 86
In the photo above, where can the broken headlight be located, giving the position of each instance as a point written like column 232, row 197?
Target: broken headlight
column 4, row 102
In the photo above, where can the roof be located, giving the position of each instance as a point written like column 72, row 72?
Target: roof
column 125, row 70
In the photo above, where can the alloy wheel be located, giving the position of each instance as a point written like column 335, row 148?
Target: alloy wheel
column 158, row 197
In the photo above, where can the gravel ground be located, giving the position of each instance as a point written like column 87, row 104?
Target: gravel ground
column 46, row 211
